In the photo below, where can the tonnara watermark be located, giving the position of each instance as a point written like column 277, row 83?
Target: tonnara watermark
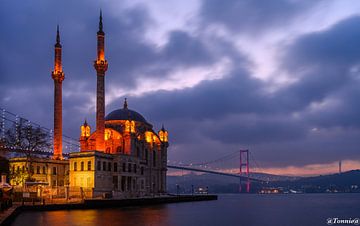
column 340, row 221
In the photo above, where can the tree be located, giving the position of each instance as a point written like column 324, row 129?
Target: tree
column 26, row 139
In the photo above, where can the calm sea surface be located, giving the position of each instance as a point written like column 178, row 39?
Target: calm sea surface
column 247, row 210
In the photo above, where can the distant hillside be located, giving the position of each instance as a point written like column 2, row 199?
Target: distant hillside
column 216, row 183
column 344, row 182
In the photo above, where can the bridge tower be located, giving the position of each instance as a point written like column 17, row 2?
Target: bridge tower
column 101, row 66
column 58, row 77
column 244, row 162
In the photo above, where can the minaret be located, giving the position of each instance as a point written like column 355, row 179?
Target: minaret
column 58, row 76
column 101, row 66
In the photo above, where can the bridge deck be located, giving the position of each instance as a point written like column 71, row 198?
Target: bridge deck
column 212, row 172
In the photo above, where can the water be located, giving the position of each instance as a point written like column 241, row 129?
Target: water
column 239, row 210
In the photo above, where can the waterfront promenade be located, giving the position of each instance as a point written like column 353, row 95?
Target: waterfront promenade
column 7, row 217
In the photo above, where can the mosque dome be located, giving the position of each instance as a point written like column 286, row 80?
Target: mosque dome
column 125, row 114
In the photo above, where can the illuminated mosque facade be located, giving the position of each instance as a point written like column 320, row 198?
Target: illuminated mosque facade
column 124, row 155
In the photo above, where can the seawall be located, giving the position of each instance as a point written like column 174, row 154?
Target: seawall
column 13, row 212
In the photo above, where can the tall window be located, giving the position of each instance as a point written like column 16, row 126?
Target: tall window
column 124, row 167
column 142, row 170
column 75, row 166
column 135, row 168
column 89, row 165
column 115, row 167
column 129, row 167
column 154, row 158
column 138, row 152
column 109, row 166
column 99, row 165
column 44, row 170
column 82, row 166
column 38, row 170
column 104, row 166
column 54, row 170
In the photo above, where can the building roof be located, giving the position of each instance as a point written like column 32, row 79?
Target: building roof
column 125, row 114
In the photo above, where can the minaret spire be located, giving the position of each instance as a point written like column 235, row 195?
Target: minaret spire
column 100, row 22
column 125, row 104
column 58, row 77
column 58, row 36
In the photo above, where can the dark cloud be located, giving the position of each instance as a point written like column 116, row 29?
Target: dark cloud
column 252, row 15
column 210, row 119
column 336, row 46
column 184, row 49
column 210, row 99
column 326, row 65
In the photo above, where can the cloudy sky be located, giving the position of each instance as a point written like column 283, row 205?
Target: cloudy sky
column 279, row 77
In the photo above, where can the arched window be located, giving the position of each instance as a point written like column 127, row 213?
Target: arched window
column 127, row 126
column 75, row 166
column 89, row 165
column 82, row 166
column 132, row 130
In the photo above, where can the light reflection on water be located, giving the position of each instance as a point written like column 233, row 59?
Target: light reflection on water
column 276, row 210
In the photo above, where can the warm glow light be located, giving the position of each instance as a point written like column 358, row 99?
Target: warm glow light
column 132, row 127
column 107, row 134
column 82, row 128
column 85, row 131
column 166, row 136
column 148, row 137
column 127, row 126
column 163, row 136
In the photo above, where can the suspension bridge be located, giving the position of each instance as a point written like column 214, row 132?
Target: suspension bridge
column 19, row 127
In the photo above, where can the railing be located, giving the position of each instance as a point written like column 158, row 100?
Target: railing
column 11, row 121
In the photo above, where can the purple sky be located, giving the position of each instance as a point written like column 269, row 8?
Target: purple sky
column 279, row 77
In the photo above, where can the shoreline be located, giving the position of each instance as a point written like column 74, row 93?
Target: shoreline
column 17, row 209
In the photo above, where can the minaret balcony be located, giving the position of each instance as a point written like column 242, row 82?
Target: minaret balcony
column 101, row 65
column 58, row 76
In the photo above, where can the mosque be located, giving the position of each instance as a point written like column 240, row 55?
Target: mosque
column 123, row 156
